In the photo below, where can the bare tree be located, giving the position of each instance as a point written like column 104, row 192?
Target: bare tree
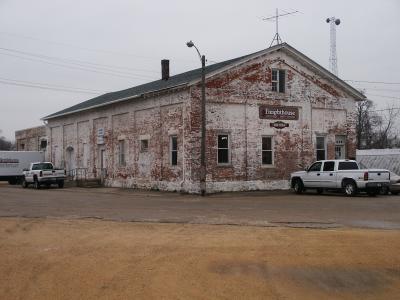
column 5, row 144
column 385, row 135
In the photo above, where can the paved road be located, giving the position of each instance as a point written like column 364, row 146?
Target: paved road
column 252, row 208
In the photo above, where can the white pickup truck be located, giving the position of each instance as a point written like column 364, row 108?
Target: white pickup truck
column 43, row 173
column 341, row 174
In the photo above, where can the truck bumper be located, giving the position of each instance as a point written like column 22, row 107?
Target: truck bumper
column 51, row 180
column 376, row 185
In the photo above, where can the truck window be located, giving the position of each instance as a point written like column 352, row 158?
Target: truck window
column 43, row 166
column 348, row 165
column 329, row 166
column 316, row 167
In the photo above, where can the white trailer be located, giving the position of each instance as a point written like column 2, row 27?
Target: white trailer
column 13, row 163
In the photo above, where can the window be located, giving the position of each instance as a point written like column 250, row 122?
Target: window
column 43, row 145
column 316, row 167
column 174, row 150
column 278, row 81
column 329, row 166
column 223, row 149
column 267, row 151
column 144, row 145
column 321, row 148
column 121, row 153
column 348, row 165
column 22, row 146
column 340, row 141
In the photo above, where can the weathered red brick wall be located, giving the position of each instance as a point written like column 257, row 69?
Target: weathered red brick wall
column 233, row 100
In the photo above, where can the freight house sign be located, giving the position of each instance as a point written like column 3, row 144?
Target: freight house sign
column 279, row 113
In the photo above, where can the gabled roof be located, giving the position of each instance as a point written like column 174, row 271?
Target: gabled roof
column 192, row 77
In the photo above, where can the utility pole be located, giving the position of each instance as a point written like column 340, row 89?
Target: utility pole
column 277, row 37
column 333, row 58
column 203, row 168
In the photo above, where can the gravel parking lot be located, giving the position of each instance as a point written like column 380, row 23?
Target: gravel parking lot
column 267, row 208
column 74, row 243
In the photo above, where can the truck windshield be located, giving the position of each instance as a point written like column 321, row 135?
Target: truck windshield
column 348, row 165
column 42, row 166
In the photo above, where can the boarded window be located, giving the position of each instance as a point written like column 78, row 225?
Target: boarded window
column 223, row 149
column 174, row 150
column 121, row 153
column 321, row 152
column 278, row 80
column 267, row 150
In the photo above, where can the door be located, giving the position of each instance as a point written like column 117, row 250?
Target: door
column 313, row 176
column 70, row 159
column 328, row 175
column 103, row 163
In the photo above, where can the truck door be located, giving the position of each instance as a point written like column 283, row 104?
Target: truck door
column 328, row 175
column 313, row 176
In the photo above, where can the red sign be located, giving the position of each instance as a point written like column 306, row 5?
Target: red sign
column 279, row 112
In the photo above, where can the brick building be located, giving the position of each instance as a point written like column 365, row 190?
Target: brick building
column 31, row 139
column 268, row 114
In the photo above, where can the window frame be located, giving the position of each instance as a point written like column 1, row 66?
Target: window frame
column 277, row 81
column 272, row 150
column 228, row 149
column 144, row 149
column 121, row 154
column 319, row 149
column 172, row 151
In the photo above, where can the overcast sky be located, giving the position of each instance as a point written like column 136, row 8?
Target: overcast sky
column 86, row 48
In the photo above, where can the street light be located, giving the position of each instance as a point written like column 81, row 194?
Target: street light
column 190, row 44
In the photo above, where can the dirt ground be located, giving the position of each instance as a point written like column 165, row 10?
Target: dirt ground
column 92, row 259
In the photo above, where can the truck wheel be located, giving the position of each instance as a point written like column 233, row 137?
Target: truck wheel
column 12, row 182
column 61, row 184
column 385, row 190
column 36, row 184
column 350, row 188
column 298, row 186
column 24, row 183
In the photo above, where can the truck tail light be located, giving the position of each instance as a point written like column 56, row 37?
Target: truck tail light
column 41, row 174
column 366, row 176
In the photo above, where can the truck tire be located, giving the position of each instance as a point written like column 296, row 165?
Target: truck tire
column 36, row 184
column 12, row 181
column 298, row 186
column 24, row 183
column 350, row 188
column 61, row 184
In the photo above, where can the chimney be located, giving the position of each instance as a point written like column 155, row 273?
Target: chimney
column 164, row 69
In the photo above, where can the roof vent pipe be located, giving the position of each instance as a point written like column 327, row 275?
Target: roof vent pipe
column 164, row 69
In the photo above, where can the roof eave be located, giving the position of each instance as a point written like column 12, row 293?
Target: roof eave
column 109, row 103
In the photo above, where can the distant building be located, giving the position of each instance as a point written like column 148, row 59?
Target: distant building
column 268, row 114
column 31, row 139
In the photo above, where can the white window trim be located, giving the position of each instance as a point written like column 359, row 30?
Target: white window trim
column 272, row 150
column 277, row 80
column 325, row 146
column 171, row 150
column 229, row 150
column 120, row 162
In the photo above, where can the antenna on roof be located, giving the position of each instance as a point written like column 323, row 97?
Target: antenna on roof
column 277, row 37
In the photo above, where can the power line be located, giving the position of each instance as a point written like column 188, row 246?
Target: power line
column 52, row 85
column 378, row 82
column 74, row 67
column 47, row 88
column 384, row 96
column 75, row 61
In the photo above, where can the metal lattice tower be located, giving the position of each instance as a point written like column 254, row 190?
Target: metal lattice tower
column 333, row 58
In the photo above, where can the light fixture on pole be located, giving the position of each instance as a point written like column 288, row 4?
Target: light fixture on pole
column 190, row 44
